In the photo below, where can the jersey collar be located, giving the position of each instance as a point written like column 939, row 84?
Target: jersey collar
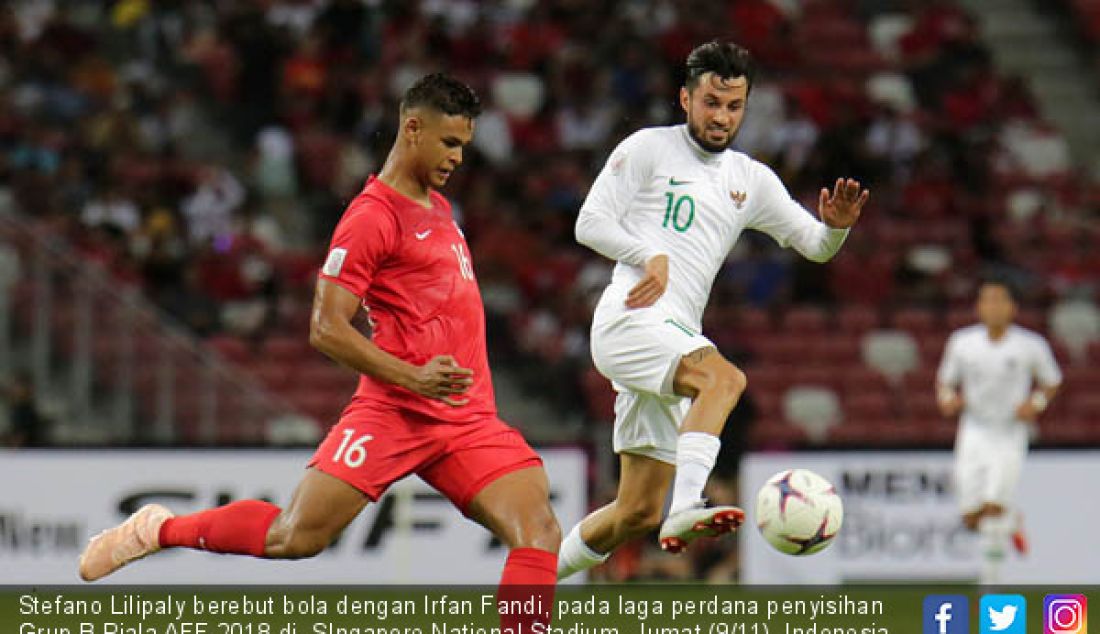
column 709, row 158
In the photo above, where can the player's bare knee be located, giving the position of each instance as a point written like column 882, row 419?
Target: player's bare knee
column 724, row 383
column 544, row 533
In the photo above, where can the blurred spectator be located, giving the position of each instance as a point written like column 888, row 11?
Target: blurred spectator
column 112, row 209
column 1035, row 149
column 123, row 126
column 209, row 210
column 27, row 427
column 895, row 139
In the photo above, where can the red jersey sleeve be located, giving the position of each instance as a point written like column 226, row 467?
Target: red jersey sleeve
column 363, row 239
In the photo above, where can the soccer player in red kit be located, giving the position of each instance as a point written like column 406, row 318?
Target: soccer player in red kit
column 425, row 401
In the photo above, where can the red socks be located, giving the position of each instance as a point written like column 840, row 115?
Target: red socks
column 527, row 587
column 238, row 527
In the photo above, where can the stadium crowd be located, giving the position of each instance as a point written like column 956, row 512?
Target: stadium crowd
column 203, row 151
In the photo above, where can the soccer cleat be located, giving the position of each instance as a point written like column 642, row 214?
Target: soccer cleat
column 131, row 540
column 684, row 527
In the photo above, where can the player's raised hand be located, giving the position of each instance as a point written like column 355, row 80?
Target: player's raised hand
column 652, row 285
column 443, row 379
column 841, row 210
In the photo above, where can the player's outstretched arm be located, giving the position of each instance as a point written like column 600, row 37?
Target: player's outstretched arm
column 842, row 208
column 785, row 219
column 332, row 333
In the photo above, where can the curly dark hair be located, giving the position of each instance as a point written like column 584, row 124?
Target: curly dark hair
column 443, row 93
column 725, row 59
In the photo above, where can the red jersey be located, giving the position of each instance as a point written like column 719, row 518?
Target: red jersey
column 411, row 267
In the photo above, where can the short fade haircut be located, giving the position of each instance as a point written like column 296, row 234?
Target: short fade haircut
column 1002, row 282
column 442, row 93
column 725, row 59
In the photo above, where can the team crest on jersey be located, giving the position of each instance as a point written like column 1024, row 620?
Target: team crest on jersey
column 739, row 198
column 617, row 163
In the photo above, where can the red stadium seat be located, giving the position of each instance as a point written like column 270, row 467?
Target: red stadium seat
column 916, row 321
column 857, row 319
column 840, row 349
column 323, row 376
column 814, row 375
column 288, row 349
column 776, row 436
column 1084, row 407
column 869, row 406
column 855, row 434
column 959, row 318
column 1032, row 320
column 275, row 376
column 921, row 407
column 599, row 397
column 893, row 434
column 780, row 349
column 232, row 349
column 861, row 379
column 931, row 348
column 805, row 319
column 1094, row 353
column 768, row 378
column 323, row 407
column 921, row 381
column 768, row 405
column 753, row 321
column 1069, row 433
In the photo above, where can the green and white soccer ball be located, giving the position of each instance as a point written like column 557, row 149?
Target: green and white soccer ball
column 798, row 512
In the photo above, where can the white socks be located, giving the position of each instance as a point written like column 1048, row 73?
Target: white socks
column 696, row 453
column 994, row 533
column 575, row 556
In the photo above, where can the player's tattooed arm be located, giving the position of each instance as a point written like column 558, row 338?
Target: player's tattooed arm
column 697, row 356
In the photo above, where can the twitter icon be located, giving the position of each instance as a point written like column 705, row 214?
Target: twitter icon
column 1002, row 614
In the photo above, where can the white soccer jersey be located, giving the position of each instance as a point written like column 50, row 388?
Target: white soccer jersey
column 661, row 193
column 996, row 376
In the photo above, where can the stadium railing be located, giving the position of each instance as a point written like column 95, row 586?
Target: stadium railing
column 111, row 366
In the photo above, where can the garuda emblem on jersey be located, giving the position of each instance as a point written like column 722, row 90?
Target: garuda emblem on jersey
column 739, row 198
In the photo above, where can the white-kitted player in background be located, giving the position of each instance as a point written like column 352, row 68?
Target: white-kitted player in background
column 998, row 378
column 668, row 207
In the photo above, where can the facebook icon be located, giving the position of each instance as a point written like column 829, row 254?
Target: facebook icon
column 946, row 614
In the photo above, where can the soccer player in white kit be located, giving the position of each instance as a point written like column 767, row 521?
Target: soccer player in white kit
column 1007, row 375
column 668, row 206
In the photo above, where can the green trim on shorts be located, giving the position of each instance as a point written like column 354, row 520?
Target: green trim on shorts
column 687, row 331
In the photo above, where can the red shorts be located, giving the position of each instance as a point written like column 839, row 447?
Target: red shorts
column 371, row 448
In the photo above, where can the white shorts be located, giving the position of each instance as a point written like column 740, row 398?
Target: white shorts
column 988, row 460
column 639, row 352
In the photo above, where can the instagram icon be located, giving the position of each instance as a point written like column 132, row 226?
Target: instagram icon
column 1065, row 614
